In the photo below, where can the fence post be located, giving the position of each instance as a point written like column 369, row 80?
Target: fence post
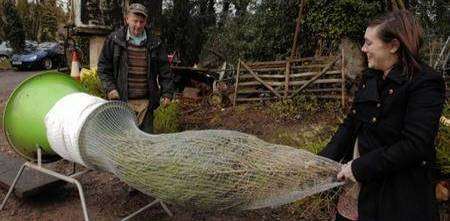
column 343, row 98
column 287, row 78
column 238, row 71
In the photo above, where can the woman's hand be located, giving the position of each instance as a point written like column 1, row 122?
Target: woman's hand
column 346, row 173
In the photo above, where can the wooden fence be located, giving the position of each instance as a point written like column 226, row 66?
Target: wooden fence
column 322, row 77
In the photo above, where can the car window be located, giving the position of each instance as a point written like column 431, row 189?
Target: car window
column 51, row 46
column 29, row 47
column 46, row 45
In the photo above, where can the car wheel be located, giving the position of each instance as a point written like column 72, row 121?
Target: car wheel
column 47, row 63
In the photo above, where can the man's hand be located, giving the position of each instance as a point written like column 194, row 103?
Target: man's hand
column 165, row 102
column 113, row 95
column 346, row 173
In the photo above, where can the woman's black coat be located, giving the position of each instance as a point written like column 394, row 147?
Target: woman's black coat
column 396, row 121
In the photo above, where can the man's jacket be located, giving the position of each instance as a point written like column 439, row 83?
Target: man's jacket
column 113, row 67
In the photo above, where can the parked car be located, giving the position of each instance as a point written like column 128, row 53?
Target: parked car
column 46, row 55
column 5, row 50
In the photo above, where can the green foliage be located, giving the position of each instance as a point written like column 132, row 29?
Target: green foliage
column 23, row 8
column 314, row 139
column 41, row 19
column 434, row 17
column 184, row 26
column 267, row 33
column 271, row 30
column 300, row 107
column 5, row 64
column 443, row 144
column 49, row 23
column 167, row 119
column 285, row 109
column 327, row 22
column 90, row 80
column 13, row 27
column 2, row 23
column 82, row 43
column 264, row 30
column 263, row 35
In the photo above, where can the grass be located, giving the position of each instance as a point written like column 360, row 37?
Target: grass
column 301, row 107
column 167, row 119
column 312, row 138
column 91, row 81
column 5, row 64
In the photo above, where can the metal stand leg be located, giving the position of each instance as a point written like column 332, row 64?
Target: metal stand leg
column 166, row 209
column 11, row 188
column 169, row 213
column 69, row 179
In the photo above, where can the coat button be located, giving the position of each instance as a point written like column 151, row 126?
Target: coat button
column 391, row 91
column 378, row 105
column 354, row 111
column 424, row 163
column 364, row 86
column 374, row 119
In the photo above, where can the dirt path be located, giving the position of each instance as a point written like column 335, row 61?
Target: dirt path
column 8, row 81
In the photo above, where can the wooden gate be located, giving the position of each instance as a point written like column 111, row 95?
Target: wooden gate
column 322, row 77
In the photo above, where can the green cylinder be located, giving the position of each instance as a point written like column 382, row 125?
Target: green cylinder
column 23, row 118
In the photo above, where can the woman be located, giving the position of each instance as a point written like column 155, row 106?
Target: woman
column 392, row 126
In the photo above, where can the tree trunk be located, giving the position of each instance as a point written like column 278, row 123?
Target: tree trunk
column 224, row 13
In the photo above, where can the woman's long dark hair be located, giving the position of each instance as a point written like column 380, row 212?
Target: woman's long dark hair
column 402, row 25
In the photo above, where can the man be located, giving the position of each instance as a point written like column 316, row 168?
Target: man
column 133, row 67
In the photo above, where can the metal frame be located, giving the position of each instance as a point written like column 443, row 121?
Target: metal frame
column 154, row 202
column 71, row 179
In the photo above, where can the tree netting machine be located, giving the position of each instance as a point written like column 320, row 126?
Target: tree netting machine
column 49, row 116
